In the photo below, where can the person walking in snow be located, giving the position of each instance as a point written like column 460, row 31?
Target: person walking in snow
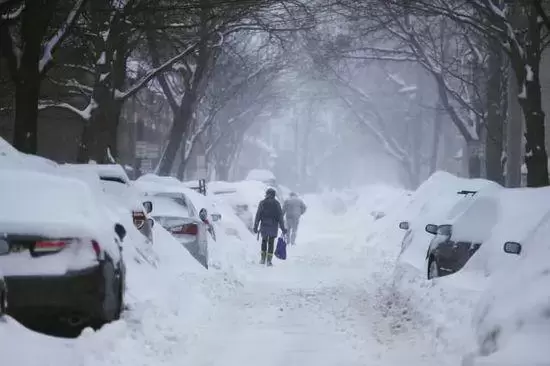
column 293, row 209
column 269, row 218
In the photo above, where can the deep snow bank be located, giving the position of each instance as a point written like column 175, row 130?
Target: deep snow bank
column 486, row 298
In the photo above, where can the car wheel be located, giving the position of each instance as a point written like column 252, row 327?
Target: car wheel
column 111, row 299
column 433, row 269
column 3, row 302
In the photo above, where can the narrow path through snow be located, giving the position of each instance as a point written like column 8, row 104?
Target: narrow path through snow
column 320, row 307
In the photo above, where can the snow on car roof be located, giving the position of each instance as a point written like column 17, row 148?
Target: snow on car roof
column 154, row 186
column 110, row 171
column 261, row 175
column 165, row 206
column 153, row 178
column 11, row 158
column 44, row 204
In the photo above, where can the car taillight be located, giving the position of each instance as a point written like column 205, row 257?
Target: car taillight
column 97, row 248
column 139, row 219
column 50, row 246
column 188, row 229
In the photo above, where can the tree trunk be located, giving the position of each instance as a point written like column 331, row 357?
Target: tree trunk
column 100, row 134
column 27, row 94
column 438, row 122
column 514, row 133
column 36, row 17
column 494, row 137
column 527, row 73
column 474, row 159
column 177, row 132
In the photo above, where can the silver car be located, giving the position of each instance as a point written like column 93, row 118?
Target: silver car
column 175, row 213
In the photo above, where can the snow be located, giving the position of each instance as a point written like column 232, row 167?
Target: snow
column 110, row 171
column 523, row 93
column 13, row 159
column 50, row 206
column 102, row 58
column 529, row 73
column 349, row 293
column 261, row 175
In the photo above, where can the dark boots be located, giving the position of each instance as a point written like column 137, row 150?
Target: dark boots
column 262, row 261
column 267, row 257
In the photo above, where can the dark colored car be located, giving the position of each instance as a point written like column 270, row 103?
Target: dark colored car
column 93, row 295
column 446, row 255
column 65, row 250
column 4, row 249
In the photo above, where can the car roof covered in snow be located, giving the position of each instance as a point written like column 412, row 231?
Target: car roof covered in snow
column 45, row 204
column 261, row 175
column 152, row 186
column 11, row 158
column 115, row 171
column 153, row 178
column 165, row 206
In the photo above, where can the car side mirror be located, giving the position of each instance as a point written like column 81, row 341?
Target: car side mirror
column 120, row 231
column 148, row 206
column 431, row 228
column 512, row 247
column 151, row 222
column 203, row 214
column 4, row 247
column 216, row 217
column 404, row 225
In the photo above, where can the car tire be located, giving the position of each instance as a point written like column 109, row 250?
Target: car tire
column 3, row 302
column 433, row 269
column 111, row 300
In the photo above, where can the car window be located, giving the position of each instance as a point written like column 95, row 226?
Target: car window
column 113, row 179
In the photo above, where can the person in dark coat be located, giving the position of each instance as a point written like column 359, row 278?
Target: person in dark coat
column 269, row 218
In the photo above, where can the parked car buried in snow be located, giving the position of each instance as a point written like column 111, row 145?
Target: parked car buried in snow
column 238, row 204
column 4, row 249
column 117, row 184
column 65, row 251
column 512, row 319
column 181, row 219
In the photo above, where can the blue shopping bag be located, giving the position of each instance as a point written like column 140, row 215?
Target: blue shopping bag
column 280, row 251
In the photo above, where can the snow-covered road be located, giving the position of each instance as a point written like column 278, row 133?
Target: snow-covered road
column 320, row 307
column 330, row 303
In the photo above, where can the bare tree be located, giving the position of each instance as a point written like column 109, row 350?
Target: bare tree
column 30, row 33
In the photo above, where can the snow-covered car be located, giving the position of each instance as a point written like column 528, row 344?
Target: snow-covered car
column 512, row 321
column 180, row 218
column 237, row 202
column 181, row 202
column 459, row 234
column 117, row 185
column 176, row 185
column 65, row 250
column 268, row 178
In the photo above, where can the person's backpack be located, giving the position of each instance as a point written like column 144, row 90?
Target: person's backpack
column 280, row 251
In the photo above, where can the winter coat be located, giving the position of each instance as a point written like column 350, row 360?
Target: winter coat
column 269, row 217
column 293, row 208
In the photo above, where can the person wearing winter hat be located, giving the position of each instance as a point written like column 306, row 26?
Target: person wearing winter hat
column 269, row 218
